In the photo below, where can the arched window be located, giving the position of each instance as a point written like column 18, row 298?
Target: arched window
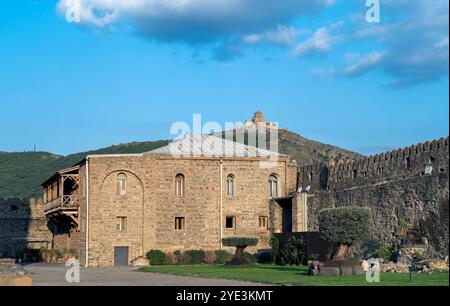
column 179, row 185
column 230, row 186
column 273, row 186
column 121, row 184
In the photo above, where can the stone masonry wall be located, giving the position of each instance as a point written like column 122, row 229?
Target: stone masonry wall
column 151, row 204
column 384, row 167
column 22, row 225
column 395, row 186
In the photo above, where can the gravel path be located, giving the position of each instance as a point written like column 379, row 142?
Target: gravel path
column 54, row 275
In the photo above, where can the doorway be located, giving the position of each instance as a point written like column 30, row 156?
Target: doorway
column 120, row 256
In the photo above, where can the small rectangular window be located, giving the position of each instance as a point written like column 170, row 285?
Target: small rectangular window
column 121, row 184
column 121, row 223
column 230, row 222
column 179, row 223
column 263, row 222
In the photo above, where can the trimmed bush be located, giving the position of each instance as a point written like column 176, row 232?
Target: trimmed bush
column 196, row 255
column 156, row 257
column 264, row 256
column 193, row 257
column 345, row 225
column 222, row 256
column 240, row 243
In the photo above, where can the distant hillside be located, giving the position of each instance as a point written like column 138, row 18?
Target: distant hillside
column 306, row 151
column 303, row 150
column 22, row 173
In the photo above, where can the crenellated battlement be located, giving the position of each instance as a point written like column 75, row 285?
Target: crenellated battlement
column 421, row 159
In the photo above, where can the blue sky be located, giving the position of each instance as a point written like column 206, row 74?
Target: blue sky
column 129, row 69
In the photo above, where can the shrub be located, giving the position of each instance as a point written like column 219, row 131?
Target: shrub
column 403, row 227
column 264, row 256
column 313, row 257
column 420, row 255
column 386, row 252
column 193, row 257
column 172, row 259
column 345, row 225
column 294, row 251
column 275, row 245
column 72, row 252
column 222, row 256
column 156, row 257
column 58, row 253
column 241, row 243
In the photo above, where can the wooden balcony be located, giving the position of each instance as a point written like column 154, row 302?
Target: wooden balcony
column 62, row 204
column 64, row 208
column 61, row 196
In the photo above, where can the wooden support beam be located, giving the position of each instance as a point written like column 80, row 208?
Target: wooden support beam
column 74, row 219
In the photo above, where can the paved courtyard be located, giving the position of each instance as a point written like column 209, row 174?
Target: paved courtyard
column 54, row 275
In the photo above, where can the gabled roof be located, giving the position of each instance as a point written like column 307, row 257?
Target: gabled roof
column 211, row 146
column 61, row 172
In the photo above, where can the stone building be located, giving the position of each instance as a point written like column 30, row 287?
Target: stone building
column 187, row 195
column 197, row 190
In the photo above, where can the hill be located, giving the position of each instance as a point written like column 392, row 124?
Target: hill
column 22, row 173
column 303, row 150
column 306, row 151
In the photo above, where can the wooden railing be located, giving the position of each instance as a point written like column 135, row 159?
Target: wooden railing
column 64, row 202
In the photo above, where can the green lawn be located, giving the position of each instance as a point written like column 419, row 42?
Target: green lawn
column 296, row 276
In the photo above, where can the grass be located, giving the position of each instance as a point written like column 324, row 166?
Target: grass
column 296, row 276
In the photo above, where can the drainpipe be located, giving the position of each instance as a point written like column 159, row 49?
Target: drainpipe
column 221, row 203
column 305, row 211
column 87, row 213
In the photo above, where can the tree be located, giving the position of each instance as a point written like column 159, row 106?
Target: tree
column 345, row 226
column 294, row 251
column 240, row 243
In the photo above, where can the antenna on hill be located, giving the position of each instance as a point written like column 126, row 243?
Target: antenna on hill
column 34, row 148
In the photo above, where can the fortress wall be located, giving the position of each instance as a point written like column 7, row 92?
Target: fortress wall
column 390, row 166
column 395, row 186
column 422, row 201
column 22, row 225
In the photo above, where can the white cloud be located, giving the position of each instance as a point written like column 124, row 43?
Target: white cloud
column 411, row 44
column 319, row 42
column 282, row 36
column 363, row 64
column 194, row 21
